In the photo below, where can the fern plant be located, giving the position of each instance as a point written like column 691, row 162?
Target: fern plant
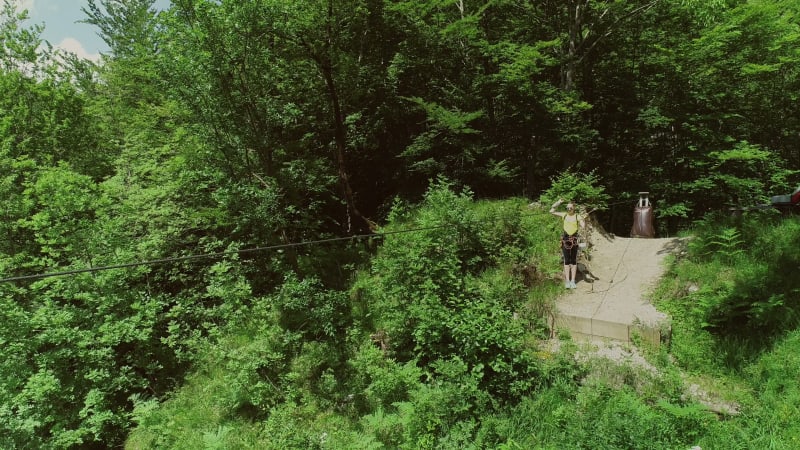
column 726, row 243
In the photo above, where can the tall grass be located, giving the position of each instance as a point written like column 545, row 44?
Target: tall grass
column 735, row 301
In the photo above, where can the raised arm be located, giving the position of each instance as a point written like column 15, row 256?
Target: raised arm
column 553, row 208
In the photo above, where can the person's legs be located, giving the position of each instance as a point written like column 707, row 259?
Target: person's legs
column 572, row 262
column 565, row 255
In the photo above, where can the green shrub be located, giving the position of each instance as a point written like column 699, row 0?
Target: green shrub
column 582, row 188
column 611, row 419
column 306, row 307
column 380, row 381
column 773, row 420
column 428, row 292
column 726, row 244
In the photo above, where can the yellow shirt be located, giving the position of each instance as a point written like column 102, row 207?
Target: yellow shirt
column 571, row 224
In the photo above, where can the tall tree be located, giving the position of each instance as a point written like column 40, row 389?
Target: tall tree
column 263, row 68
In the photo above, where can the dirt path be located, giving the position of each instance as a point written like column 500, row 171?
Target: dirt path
column 616, row 279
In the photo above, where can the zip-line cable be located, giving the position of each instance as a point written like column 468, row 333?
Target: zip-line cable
column 213, row 255
column 226, row 253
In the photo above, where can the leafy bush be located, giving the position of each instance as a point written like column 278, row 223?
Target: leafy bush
column 382, row 382
column 262, row 365
column 738, row 176
column 582, row 188
column 308, row 308
column 425, row 292
column 773, row 420
column 620, row 419
column 434, row 413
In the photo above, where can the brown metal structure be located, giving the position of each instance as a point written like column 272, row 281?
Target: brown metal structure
column 643, row 218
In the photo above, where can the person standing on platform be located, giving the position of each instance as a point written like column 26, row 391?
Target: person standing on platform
column 569, row 240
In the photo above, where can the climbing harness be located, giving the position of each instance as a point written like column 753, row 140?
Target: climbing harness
column 569, row 242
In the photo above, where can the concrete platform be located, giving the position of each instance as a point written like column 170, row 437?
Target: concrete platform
column 611, row 301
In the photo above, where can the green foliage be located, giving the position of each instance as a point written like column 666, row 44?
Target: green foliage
column 384, row 382
column 19, row 46
column 585, row 189
column 594, row 416
column 84, row 350
column 733, row 323
column 773, row 420
column 621, row 419
column 268, row 386
column 306, row 308
column 755, row 298
column 298, row 366
column 727, row 244
column 65, row 205
column 242, row 377
column 740, row 176
column 447, row 143
column 439, row 414
column 427, row 291
column 218, row 126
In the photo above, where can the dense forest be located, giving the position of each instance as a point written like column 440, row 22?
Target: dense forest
column 224, row 185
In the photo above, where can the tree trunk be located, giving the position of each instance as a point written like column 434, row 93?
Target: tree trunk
column 340, row 137
column 325, row 65
column 575, row 18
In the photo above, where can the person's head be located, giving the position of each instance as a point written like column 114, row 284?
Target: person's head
column 570, row 207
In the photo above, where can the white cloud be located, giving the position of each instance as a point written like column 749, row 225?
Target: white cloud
column 73, row 45
column 24, row 4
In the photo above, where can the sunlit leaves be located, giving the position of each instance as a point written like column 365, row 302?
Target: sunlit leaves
column 62, row 223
